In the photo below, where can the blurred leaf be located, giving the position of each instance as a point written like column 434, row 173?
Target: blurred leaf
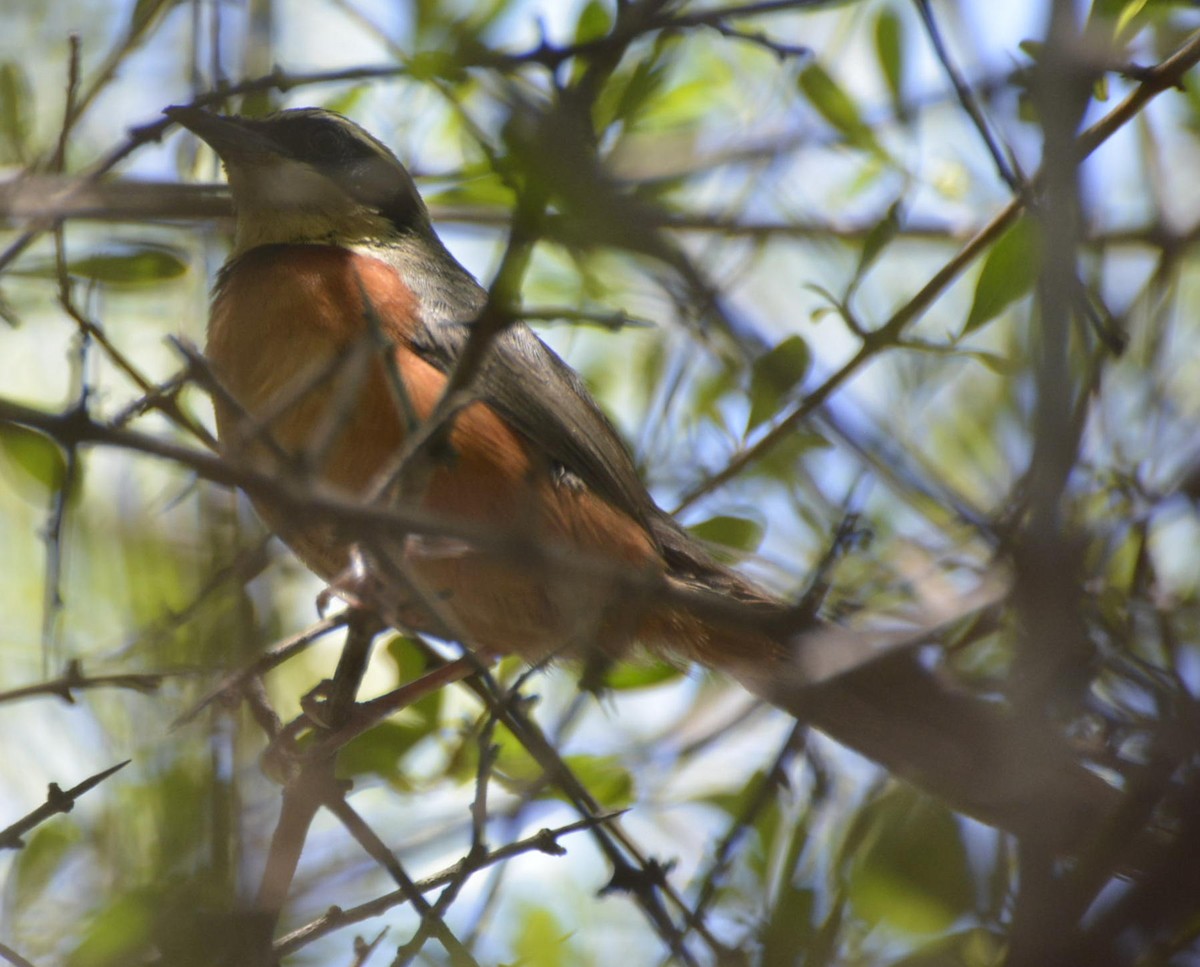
column 15, row 100
column 630, row 675
column 541, row 941
column 408, row 657
column 144, row 14
column 889, row 49
column 970, row 948
column 837, row 107
column 774, row 375
column 628, row 92
column 1129, row 13
column 486, row 190
column 123, row 264
column 996, row 363
column 739, row 533
column 594, row 22
column 344, row 102
column 36, row 864
column 878, row 238
column 791, row 927
column 381, row 750
column 713, row 387
column 120, row 934
column 682, row 105
column 906, row 866
column 783, row 460
column 34, row 464
column 605, row 777
column 1008, row 273
column 435, row 64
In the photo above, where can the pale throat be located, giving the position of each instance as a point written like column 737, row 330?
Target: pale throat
column 289, row 203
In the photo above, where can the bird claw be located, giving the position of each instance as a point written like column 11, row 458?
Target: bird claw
column 354, row 586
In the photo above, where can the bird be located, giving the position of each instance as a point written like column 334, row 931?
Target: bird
column 335, row 328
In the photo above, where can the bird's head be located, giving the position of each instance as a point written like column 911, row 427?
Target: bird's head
column 309, row 176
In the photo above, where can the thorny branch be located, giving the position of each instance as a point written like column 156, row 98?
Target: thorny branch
column 57, row 801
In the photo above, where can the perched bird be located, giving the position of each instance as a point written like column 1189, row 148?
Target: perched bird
column 335, row 326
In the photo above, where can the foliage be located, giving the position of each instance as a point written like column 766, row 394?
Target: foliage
column 924, row 322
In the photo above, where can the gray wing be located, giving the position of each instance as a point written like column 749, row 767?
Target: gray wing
column 542, row 397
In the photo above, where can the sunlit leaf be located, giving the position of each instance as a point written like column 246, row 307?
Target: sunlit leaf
column 594, row 22
column 791, row 927
column 889, row 49
column 1128, row 14
column 782, row 462
column 774, row 375
column 345, row 101
column 541, row 941
column 119, row 934
column 971, row 948
column 144, row 14
column 739, row 533
column 907, row 865
column 429, row 65
column 35, row 866
column 605, row 777
column 1008, row 273
column 836, row 106
column 630, row 675
column 121, row 264
column 33, row 463
column 14, row 112
column 878, row 238
column 380, row 751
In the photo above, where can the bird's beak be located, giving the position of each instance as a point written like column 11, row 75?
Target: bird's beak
column 234, row 139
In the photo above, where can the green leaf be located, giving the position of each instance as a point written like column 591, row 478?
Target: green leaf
column 145, row 13
column 141, row 264
column 739, row 533
column 889, row 49
column 605, row 777
column 430, row 65
column 774, row 375
column 906, row 866
column 1008, row 273
column 783, row 460
column 878, row 238
column 837, row 107
column 1128, row 14
column 791, row 928
column 36, row 464
column 380, row 751
column 344, row 102
column 628, row 675
column 36, row 864
column 117, row 934
column 541, row 941
column 974, row 947
column 121, row 264
column 14, row 112
column 595, row 21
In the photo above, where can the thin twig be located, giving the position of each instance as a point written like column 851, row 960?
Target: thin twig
column 57, row 801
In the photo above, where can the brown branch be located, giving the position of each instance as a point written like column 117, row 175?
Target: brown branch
column 73, row 680
column 14, row 958
column 543, row 841
column 57, row 801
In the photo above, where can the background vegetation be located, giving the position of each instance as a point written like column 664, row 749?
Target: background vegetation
column 890, row 298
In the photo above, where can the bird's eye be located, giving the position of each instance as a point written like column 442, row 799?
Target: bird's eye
column 325, row 143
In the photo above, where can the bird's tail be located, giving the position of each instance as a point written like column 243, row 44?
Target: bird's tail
column 886, row 701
